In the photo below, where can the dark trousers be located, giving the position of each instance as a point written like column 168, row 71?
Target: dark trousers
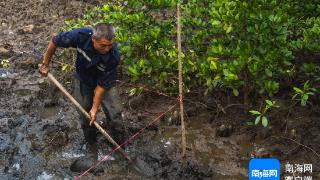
column 111, row 106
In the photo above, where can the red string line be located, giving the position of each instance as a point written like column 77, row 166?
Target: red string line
column 128, row 140
column 180, row 98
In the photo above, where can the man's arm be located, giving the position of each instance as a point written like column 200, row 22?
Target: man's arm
column 44, row 69
column 63, row 39
column 98, row 95
column 104, row 81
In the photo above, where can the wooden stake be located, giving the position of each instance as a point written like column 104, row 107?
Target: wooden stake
column 183, row 130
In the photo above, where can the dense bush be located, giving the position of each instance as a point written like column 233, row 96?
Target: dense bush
column 226, row 43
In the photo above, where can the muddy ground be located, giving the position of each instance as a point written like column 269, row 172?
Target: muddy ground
column 40, row 135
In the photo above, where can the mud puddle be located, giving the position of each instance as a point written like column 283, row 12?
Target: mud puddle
column 5, row 72
column 208, row 150
column 48, row 112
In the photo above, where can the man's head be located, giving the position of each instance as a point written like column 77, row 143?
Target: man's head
column 103, row 37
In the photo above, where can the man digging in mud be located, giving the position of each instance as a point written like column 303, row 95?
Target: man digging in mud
column 97, row 60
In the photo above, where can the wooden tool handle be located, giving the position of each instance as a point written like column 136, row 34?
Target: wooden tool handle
column 65, row 92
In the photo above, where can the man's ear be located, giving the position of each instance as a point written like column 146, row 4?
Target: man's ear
column 93, row 37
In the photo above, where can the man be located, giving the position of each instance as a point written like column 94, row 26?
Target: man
column 97, row 60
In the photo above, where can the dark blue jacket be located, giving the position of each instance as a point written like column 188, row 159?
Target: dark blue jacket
column 92, row 68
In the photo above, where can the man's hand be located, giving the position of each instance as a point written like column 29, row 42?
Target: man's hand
column 44, row 69
column 93, row 115
column 98, row 95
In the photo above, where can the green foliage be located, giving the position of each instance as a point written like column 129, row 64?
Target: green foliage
column 241, row 34
column 135, row 91
column 304, row 24
column 311, row 35
column 303, row 94
column 145, row 40
column 222, row 39
column 312, row 71
column 5, row 63
column 261, row 116
column 308, row 33
column 65, row 68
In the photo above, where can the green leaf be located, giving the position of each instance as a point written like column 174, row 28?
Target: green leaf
column 294, row 96
column 268, row 72
column 5, row 63
column 237, row 17
column 313, row 89
column 232, row 76
column 249, row 123
column 257, row 120
column 306, row 85
column 133, row 70
column 304, row 100
column 220, row 48
column 255, row 112
column 305, row 97
column 215, row 22
column 229, row 29
column 132, row 91
column 297, row 90
column 64, row 67
column 213, row 65
column 235, row 92
column 264, row 121
column 270, row 103
column 149, row 70
column 213, row 59
column 310, row 93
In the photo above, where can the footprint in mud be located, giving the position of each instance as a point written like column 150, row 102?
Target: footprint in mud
column 55, row 136
column 4, row 142
column 160, row 165
column 143, row 167
column 82, row 164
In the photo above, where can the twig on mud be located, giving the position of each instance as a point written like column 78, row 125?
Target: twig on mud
column 150, row 112
column 187, row 117
column 287, row 117
column 121, row 83
column 297, row 143
column 194, row 102
column 62, row 63
column 291, row 151
column 56, row 135
column 230, row 105
column 223, row 109
column 145, row 88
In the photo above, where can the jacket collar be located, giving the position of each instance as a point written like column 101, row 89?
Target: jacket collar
column 88, row 45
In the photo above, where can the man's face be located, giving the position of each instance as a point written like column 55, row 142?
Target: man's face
column 102, row 45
